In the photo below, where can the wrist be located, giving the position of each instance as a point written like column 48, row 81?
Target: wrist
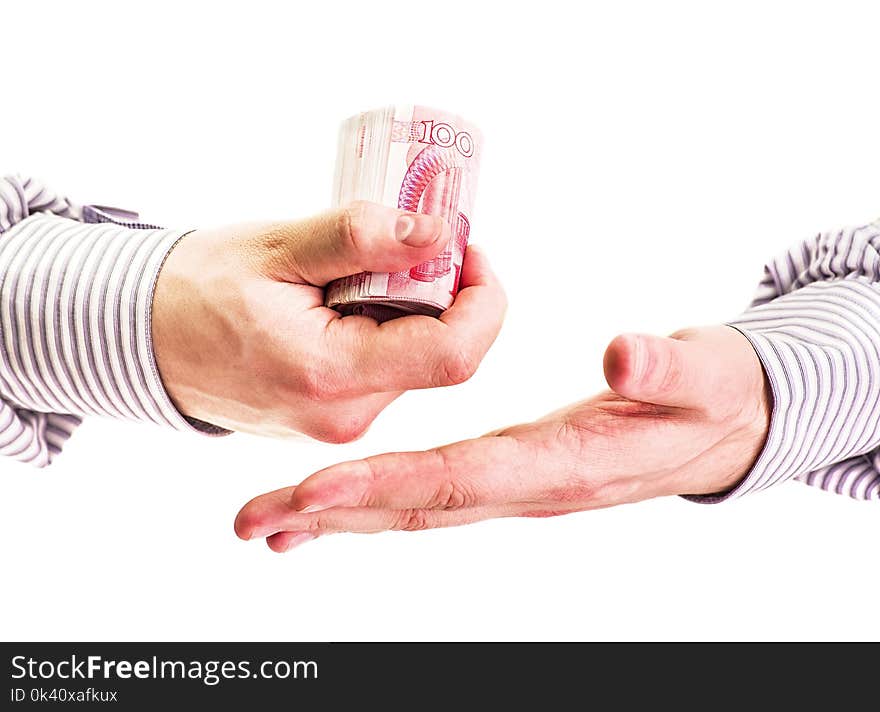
column 173, row 322
column 742, row 421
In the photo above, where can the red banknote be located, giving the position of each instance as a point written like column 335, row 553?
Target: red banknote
column 413, row 158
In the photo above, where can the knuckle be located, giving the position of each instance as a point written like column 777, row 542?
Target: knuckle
column 671, row 375
column 452, row 495
column 452, row 492
column 339, row 429
column 320, row 523
column 352, row 430
column 410, row 520
column 351, row 222
column 372, row 495
column 457, row 366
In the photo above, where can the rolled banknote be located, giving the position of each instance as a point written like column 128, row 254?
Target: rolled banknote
column 412, row 158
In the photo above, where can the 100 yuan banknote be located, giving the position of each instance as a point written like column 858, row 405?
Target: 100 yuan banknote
column 412, row 158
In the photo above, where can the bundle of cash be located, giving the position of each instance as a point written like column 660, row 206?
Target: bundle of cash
column 412, row 158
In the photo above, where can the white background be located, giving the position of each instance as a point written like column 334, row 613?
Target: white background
column 642, row 162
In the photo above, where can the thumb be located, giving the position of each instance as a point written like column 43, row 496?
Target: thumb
column 361, row 237
column 665, row 371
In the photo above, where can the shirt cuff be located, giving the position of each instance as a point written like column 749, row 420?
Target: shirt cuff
column 820, row 351
column 762, row 473
column 75, row 320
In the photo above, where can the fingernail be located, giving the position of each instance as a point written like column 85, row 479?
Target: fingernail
column 308, row 509
column 417, row 230
column 637, row 365
column 299, row 539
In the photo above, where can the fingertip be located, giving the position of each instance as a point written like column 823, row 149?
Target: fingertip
column 621, row 362
column 307, row 503
column 444, row 229
column 254, row 524
column 657, row 369
column 475, row 268
column 478, row 254
column 333, row 486
column 286, row 541
column 443, row 236
column 481, row 297
column 390, row 240
column 244, row 523
column 299, row 500
column 260, row 516
column 422, row 231
column 277, row 542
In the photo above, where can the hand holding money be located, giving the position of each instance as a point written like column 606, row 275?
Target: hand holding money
column 243, row 339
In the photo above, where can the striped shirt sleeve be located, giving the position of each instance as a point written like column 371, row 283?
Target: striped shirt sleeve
column 76, row 288
column 815, row 325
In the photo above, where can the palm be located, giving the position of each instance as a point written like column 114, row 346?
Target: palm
column 685, row 416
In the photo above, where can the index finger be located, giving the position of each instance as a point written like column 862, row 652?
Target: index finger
column 487, row 471
column 421, row 351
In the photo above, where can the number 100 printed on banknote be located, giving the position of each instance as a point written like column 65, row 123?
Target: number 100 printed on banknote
column 412, row 158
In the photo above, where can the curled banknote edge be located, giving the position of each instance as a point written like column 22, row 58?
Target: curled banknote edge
column 412, row 158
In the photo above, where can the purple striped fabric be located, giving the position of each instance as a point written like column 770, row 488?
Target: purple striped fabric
column 815, row 325
column 76, row 286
